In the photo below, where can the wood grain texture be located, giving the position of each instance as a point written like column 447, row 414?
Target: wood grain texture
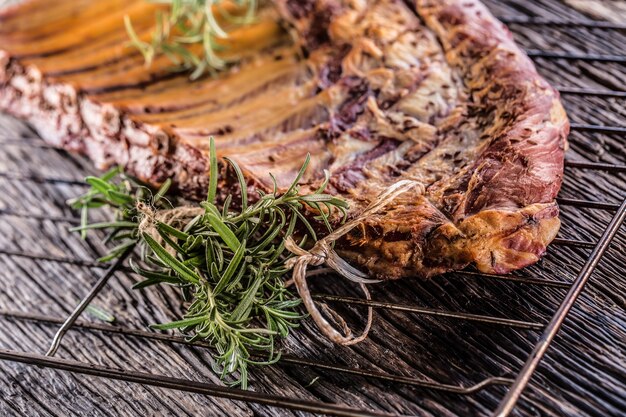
column 612, row 10
column 584, row 373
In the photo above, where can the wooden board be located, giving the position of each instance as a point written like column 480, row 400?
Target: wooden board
column 584, row 373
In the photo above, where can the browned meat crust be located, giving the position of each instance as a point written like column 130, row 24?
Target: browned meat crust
column 435, row 91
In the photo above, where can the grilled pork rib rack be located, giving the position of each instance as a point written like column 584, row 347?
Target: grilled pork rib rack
column 377, row 91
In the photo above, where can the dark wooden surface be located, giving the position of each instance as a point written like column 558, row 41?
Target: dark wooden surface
column 584, row 373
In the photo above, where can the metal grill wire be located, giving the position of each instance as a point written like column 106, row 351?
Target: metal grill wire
column 515, row 386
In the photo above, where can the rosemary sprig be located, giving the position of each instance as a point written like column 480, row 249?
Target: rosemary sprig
column 228, row 261
column 192, row 22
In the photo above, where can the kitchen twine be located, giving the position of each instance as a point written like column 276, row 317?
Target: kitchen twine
column 179, row 215
column 321, row 253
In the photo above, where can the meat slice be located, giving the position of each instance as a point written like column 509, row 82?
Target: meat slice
column 378, row 91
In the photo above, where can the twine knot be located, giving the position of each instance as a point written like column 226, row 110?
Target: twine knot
column 316, row 256
column 178, row 216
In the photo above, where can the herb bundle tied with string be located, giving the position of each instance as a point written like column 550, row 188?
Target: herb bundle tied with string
column 229, row 260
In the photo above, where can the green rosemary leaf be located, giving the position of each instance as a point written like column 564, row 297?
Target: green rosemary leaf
column 324, row 183
column 212, row 171
column 231, row 269
column 316, row 198
column 286, row 304
column 192, row 243
column 162, row 190
column 215, row 272
column 288, row 315
column 150, row 282
column 243, row 185
column 208, row 254
column 281, row 247
column 143, row 47
column 119, row 197
column 185, row 272
column 257, row 331
column 94, row 204
column 323, row 217
column 296, row 181
column 248, row 17
column 274, row 184
column 117, row 251
column 167, row 229
column 100, row 314
column 84, row 221
column 195, row 261
column 225, row 233
column 306, row 223
column 170, row 242
column 213, row 26
column 219, row 255
column 243, row 309
column 210, row 208
column 105, row 225
column 324, row 198
column 111, row 173
column 178, row 324
column 153, row 277
column 272, row 232
column 99, row 185
column 226, row 206
column 235, row 281
column 192, row 224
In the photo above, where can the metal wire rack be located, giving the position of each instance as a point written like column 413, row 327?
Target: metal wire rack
column 515, row 386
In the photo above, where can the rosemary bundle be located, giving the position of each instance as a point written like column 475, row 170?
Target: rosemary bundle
column 228, row 260
column 192, row 22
